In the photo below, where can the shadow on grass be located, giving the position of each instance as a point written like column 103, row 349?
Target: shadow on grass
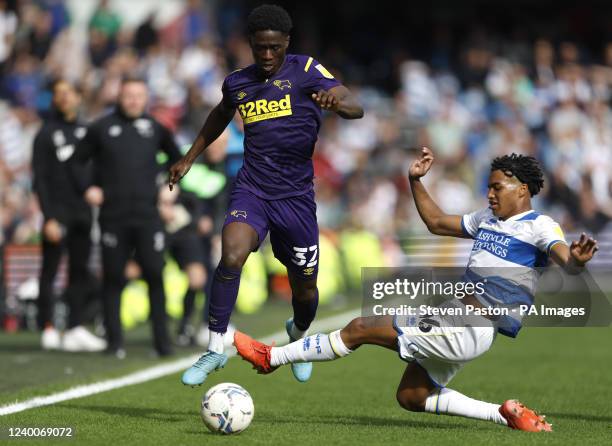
column 273, row 419
column 367, row 420
column 577, row 416
column 356, row 421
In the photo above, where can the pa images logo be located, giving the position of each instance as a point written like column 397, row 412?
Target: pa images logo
column 237, row 213
column 282, row 84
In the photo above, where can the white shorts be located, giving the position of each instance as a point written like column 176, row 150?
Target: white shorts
column 444, row 346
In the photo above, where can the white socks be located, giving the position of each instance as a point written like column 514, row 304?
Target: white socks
column 449, row 402
column 318, row 347
column 215, row 344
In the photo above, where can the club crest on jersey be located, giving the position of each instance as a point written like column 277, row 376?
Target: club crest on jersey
column 241, row 95
column 58, row 138
column 144, row 127
column 261, row 109
column 282, row 84
column 237, row 213
column 114, row 130
column 80, row 132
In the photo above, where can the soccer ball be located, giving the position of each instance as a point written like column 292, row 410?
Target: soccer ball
column 227, row 408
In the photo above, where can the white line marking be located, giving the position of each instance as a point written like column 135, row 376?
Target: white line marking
column 155, row 372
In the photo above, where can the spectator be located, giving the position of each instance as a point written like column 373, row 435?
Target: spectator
column 8, row 27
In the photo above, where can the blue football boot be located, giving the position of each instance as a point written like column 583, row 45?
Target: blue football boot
column 208, row 362
column 301, row 370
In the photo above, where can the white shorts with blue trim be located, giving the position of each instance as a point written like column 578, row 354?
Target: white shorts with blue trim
column 443, row 344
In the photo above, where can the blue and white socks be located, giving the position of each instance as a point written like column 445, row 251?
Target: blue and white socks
column 316, row 348
column 450, row 402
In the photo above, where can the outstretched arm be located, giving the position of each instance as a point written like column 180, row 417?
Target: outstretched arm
column 340, row 100
column 218, row 119
column 573, row 258
column 436, row 220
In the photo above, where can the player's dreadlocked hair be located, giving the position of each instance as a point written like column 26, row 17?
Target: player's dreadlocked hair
column 525, row 168
column 269, row 17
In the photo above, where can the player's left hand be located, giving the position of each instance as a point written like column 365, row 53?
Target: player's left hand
column 583, row 250
column 178, row 171
column 326, row 100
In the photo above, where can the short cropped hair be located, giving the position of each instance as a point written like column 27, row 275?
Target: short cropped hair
column 269, row 17
column 133, row 78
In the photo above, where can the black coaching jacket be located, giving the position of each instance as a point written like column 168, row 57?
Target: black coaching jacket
column 124, row 155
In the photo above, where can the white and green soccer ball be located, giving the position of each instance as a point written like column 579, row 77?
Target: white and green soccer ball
column 227, row 408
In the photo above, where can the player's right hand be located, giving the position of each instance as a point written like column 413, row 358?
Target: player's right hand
column 53, row 231
column 178, row 171
column 94, row 196
column 327, row 100
column 422, row 164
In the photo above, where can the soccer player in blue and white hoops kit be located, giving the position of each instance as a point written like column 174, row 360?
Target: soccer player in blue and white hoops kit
column 512, row 248
column 511, row 240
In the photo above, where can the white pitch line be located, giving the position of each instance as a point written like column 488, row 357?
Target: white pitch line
column 155, row 372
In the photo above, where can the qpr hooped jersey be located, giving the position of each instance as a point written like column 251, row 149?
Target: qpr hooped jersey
column 506, row 256
column 281, row 123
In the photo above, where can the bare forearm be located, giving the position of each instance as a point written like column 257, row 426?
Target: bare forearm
column 574, row 267
column 340, row 100
column 428, row 210
column 349, row 108
column 561, row 255
column 215, row 124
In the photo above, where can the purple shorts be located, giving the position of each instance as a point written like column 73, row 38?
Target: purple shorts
column 292, row 223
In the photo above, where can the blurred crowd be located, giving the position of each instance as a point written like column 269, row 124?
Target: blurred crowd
column 532, row 96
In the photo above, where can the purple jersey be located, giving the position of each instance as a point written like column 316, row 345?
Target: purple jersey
column 281, row 122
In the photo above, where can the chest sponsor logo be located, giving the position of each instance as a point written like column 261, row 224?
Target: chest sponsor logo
column 282, row 84
column 495, row 243
column 261, row 109
column 64, row 153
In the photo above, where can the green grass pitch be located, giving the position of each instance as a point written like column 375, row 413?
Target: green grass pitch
column 563, row 372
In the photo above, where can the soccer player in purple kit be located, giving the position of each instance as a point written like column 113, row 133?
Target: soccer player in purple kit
column 280, row 99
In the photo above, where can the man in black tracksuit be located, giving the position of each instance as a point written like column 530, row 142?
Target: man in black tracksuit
column 67, row 219
column 123, row 147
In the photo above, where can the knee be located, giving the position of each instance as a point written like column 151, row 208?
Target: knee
column 196, row 275
column 354, row 333
column 234, row 256
column 410, row 399
column 304, row 291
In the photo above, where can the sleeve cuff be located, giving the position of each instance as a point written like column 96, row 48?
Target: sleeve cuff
column 464, row 228
column 551, row 244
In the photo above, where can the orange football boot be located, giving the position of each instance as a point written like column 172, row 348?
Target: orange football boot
column 255, row 352
column 522, row 418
